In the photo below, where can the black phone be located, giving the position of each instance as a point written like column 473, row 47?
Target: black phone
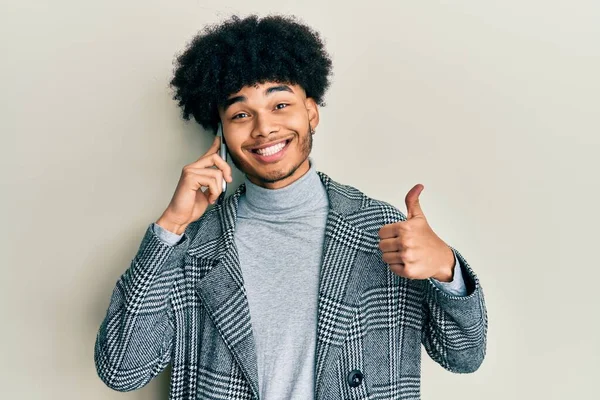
column 223, row 155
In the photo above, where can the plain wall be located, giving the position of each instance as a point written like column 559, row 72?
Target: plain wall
column 492, row 105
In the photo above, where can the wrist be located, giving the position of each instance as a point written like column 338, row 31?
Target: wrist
column 171, row 226
column 446, row 274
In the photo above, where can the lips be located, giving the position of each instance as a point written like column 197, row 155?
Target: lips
column 254, row 149
column 273, row 157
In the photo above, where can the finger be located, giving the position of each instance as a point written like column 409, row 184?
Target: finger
column 224, row 167
column 213, row 160
column 392, row 257
column 208, row 177
column 214, row 148
column 213, row 191
column 389, row 231
column 398, row 269
column 413, row 207
column 218, row 182
column 387, row 245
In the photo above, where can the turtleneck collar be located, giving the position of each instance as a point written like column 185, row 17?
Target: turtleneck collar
column 306, row 193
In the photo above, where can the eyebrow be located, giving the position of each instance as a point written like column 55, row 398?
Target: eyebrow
column 268, row 91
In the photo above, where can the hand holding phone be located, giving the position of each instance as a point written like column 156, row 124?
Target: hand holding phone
column 189, row 201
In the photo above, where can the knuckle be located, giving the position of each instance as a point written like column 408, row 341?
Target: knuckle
column 409, row 273
column 386, row 258
column 398, row 229
column 186, row 173
column 409, row 269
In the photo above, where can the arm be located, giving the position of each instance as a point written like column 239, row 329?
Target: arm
column 135, row 339
column 455, row 327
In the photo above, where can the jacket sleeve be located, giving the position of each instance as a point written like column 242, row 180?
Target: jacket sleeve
column 135, row 339
column 455, row 327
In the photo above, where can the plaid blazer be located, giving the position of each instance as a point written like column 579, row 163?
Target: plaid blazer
column 186, row 305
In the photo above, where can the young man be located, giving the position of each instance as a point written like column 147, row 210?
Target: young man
column 296, row 286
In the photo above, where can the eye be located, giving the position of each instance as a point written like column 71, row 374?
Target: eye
column 237, row 115
column 281, row 104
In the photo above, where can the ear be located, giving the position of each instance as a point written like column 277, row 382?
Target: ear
column 312, row 110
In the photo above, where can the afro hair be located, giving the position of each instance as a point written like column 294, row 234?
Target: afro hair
column 224, row 58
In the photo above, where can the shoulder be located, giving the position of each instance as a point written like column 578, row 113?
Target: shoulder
column 363, row 210
column 375, row 214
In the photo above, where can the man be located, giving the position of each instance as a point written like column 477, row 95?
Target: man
column 296, row 286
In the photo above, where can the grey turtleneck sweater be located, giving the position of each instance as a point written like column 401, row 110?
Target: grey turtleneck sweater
column 279, row 236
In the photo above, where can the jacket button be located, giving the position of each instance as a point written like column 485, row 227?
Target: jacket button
column 355, row 378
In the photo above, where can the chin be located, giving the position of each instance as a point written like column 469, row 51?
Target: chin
column 276, row 173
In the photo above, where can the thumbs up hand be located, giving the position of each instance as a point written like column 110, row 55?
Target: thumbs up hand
column 412, row 249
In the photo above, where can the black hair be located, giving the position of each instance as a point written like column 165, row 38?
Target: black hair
column 223, row 58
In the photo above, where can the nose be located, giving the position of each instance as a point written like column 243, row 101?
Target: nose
column 264, row 126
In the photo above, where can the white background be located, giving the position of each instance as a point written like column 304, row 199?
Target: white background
column 492, row 105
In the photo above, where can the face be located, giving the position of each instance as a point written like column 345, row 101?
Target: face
column 267, row 132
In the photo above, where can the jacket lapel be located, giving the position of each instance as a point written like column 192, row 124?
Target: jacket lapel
column 221, row 288
column 349, row 246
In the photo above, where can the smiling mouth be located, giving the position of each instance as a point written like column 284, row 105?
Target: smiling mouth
column 271, row 150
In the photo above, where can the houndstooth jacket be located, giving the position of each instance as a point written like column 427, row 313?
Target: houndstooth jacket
column 186, row 305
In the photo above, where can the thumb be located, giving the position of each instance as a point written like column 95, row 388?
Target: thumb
column 413, row 207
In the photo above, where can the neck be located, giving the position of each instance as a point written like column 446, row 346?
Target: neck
column 295, row 197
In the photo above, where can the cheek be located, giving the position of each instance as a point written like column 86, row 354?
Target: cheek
column 295, row 121
column 234, row 141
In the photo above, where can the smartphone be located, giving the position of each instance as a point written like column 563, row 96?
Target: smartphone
column 223, row 155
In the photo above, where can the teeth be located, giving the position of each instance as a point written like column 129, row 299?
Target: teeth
column 271, row 150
